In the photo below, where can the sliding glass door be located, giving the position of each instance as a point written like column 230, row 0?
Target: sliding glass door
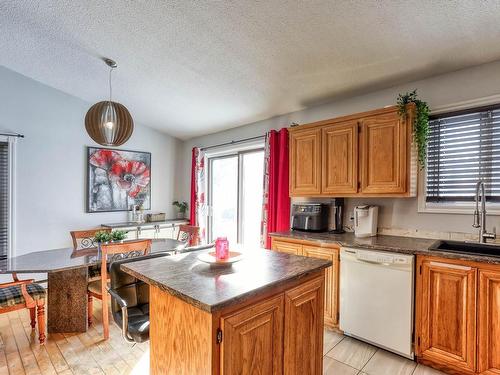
column 235, row 196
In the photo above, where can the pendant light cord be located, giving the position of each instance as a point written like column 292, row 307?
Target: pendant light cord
column 110, row 87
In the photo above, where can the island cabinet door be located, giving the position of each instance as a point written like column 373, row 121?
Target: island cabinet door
column 331, row 281
column 489, row 322
column 303, row 351
column 446, row 299
column 253, row 339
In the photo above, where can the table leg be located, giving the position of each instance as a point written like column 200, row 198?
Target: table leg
column 67, row 301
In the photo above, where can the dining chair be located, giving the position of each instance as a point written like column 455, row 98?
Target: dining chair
column 84, row 239
column 189, row 233
column 130, row 300
column 25, row 294
column 98, row 288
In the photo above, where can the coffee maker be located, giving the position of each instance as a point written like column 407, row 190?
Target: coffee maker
column 336, row 216
column 365, row 221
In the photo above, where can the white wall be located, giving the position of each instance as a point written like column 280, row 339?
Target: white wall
column 468, row 84
column 51, row 166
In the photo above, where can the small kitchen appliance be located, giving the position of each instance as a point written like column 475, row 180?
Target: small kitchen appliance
column 336, row 216
column 365, row 221
column 311, row 217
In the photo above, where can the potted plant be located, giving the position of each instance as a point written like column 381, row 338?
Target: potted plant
column 182, row 206
column 118, row 235
column 420, row 122
column 102, row 237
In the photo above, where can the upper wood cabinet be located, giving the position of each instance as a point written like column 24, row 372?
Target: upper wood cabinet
column 366, row 154
column 489, row 322
column 339, row 172
column 305, row 162
column 383, row 154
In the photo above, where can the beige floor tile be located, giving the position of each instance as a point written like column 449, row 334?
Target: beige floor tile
column 383, row 363
column 424, row 370
column 330, row 339
column 333, row 367
column 352, row 352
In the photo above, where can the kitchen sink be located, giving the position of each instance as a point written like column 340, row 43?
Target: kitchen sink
column 466, row 247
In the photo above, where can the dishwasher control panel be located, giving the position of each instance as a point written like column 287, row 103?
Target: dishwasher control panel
column 379, row 257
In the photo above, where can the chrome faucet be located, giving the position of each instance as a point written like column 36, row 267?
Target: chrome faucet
column 480, row 216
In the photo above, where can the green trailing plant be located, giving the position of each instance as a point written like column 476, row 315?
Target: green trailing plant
column 102, row 236
column 118, row 235
column 420, row 122
column 182, row 206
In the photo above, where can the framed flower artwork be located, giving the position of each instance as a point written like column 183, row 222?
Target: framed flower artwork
column 117, row 179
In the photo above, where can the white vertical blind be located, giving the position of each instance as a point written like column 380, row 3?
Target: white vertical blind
column 463, row 148
column 4, row 199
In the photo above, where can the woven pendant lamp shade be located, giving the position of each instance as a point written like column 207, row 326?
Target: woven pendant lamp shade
column 99, row 115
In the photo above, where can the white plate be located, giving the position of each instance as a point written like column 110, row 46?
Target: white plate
column 234, row 256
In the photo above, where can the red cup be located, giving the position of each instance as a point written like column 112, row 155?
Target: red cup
column 221, row 248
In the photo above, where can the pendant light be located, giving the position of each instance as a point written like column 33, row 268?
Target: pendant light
column 109, row 123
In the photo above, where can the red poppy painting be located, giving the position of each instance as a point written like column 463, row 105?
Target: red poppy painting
column 118, row 179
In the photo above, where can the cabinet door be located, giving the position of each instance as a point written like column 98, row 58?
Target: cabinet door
column 331, row 281
column 253, row 340
column 339, row 164
column 149, row 233
column 303, row 340
column 305, row 162
column 489, row 323
column 166, row 232
column 446, row 298
column 286, row 247
column 383, row 154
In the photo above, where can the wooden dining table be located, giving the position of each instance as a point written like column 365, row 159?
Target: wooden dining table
column 68, row 276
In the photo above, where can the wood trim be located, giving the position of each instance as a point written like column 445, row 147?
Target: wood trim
column 179, row 331
column 355, row 116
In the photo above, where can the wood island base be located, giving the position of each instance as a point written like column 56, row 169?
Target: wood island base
column 278, row 331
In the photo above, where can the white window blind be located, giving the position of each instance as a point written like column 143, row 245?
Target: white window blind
column 4, row 199
column 463, row 148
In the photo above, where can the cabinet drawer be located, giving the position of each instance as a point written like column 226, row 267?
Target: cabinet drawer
column 286, row 247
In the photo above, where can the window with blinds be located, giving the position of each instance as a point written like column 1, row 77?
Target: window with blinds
column 463, row 148
column 4, row 199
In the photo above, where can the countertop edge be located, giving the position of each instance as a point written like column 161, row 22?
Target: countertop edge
column 226, row 303
column 357, row 242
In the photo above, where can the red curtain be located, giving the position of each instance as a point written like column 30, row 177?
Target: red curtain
column 278, row 199
column 192, row 207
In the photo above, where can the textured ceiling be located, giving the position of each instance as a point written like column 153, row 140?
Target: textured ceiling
column 195, row 67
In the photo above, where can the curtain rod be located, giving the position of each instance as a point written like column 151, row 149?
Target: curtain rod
column 233, row 142
column 13, row 135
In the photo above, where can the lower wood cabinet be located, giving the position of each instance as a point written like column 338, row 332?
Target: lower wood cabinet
column 458, row 315
column 330, row 252
column 489, row 322
column 281, row 335
column 253, row 341
column 303, row 351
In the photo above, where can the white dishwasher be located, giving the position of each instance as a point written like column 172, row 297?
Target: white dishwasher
column 376, row 298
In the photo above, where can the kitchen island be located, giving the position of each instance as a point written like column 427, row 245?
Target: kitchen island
column 263, row 315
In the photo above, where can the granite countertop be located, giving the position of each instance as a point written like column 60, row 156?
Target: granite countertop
column 128, row 224
column 212, row 289
column 397, row 244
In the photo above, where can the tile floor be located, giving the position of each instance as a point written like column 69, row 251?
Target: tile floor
column 347, row 356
